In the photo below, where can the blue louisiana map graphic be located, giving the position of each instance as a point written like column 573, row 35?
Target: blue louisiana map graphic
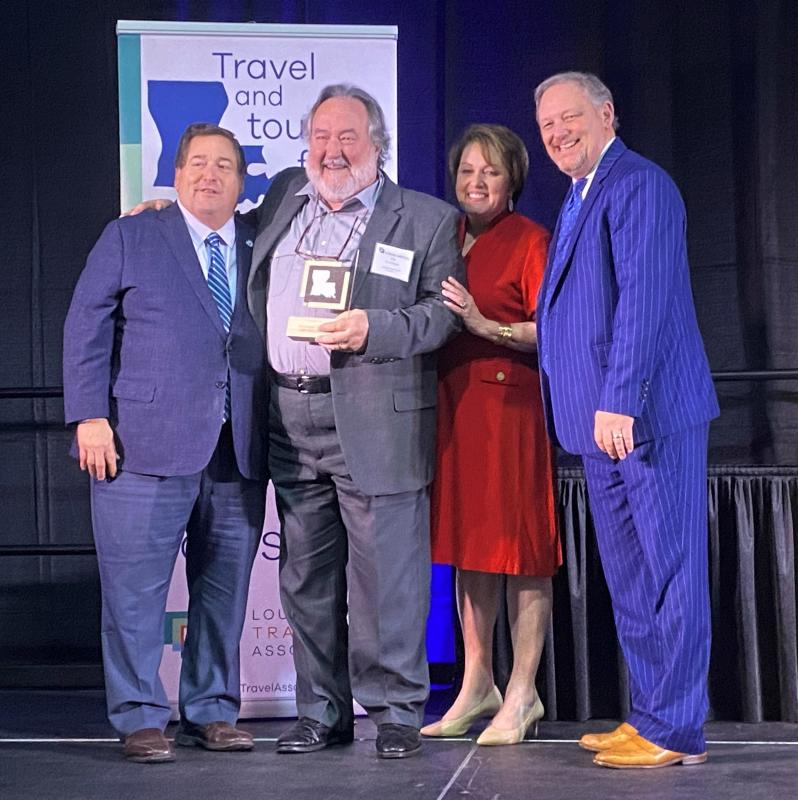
column 176, row 104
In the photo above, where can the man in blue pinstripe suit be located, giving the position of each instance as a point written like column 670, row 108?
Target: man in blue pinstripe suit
column 627, row 386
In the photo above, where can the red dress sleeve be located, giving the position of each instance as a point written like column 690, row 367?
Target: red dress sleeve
column 532, row 270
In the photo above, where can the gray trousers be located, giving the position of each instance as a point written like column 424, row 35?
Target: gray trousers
column 341, row 545
column 138, row 523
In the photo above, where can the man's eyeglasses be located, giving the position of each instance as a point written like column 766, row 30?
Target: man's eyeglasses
column 307, row 254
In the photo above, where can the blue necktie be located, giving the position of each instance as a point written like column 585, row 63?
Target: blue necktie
column 567, row 221
column 220, row 289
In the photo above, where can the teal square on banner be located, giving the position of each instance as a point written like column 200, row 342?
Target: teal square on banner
column 129, row 58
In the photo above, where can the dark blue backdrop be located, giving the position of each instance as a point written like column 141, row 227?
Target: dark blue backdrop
column 706, row 89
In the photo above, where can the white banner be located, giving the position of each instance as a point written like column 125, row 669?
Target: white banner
column 267, row 667
column 258, row 81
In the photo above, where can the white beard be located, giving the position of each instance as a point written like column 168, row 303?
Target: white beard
column 336, row 186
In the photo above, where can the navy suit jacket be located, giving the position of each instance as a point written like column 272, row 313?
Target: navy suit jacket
column 619, row 331
column 385, row 397
column 145, row 347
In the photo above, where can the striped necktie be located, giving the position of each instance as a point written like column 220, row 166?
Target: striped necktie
column 220, row 289
column 217, row 279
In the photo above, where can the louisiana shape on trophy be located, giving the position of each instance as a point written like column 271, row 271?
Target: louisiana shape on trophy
column 326, row 289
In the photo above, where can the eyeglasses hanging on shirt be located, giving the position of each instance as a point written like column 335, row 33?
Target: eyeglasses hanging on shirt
column 303, row 249
column 327, row 277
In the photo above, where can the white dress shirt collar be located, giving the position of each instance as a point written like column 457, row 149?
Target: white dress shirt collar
column 199, row 230
column 592, row 174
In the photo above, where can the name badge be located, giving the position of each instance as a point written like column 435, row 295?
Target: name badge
column 392, row 262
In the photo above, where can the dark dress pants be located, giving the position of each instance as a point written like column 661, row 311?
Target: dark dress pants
column 341, row 545
column 139, row 522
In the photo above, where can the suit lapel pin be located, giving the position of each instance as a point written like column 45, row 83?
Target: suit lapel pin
column 248, row 243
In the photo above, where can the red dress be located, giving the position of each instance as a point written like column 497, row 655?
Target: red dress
column 493, row 495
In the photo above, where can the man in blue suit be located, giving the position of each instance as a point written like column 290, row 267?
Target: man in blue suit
column 627, row 385
column 164, row 379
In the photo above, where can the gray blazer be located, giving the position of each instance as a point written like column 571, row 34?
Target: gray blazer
column 385, row 397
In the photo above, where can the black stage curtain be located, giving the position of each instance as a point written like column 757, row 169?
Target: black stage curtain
column 50, row 634
column 705, row 89
column 753, row 522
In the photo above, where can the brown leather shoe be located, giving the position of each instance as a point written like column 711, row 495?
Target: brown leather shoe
column 147, row 746
column 639, row 753
column 213, row 736
column 596, row 742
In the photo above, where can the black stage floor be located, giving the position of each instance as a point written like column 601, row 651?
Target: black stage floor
column 57, row 744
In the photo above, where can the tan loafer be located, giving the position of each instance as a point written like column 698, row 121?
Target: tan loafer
column 639, row 753
column 596, row 742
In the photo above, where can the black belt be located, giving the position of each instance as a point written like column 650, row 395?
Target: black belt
column 304, row 384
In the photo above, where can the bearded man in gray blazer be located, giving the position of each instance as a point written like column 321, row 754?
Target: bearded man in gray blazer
column 352, row 426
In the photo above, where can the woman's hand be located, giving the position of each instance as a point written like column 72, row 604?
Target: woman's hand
column 522, row 335
column 458, row 299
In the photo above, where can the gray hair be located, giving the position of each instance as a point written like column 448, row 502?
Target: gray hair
column 593, row 87
column 378, row 130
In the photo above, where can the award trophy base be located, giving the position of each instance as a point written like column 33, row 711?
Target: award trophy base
column 304, row 329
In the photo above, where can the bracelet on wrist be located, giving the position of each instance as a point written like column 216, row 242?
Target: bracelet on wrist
column 505, row 333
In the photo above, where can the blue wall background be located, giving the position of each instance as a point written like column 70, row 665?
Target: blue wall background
column 706, row 89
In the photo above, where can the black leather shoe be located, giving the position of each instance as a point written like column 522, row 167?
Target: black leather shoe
column 213, row 736
column 397, row 741
column 307, row 735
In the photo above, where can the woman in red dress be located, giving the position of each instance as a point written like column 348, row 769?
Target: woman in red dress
column 493, row 496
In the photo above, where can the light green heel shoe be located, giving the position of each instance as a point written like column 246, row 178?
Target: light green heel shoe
column 495, row 736
column 457, row 727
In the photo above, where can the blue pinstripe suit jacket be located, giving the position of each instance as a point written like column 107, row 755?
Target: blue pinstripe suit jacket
column 619, row 332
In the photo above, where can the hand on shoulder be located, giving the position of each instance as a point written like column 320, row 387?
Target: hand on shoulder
column 158, row 204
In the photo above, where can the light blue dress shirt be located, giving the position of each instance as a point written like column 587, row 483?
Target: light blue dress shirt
column 199, row 232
